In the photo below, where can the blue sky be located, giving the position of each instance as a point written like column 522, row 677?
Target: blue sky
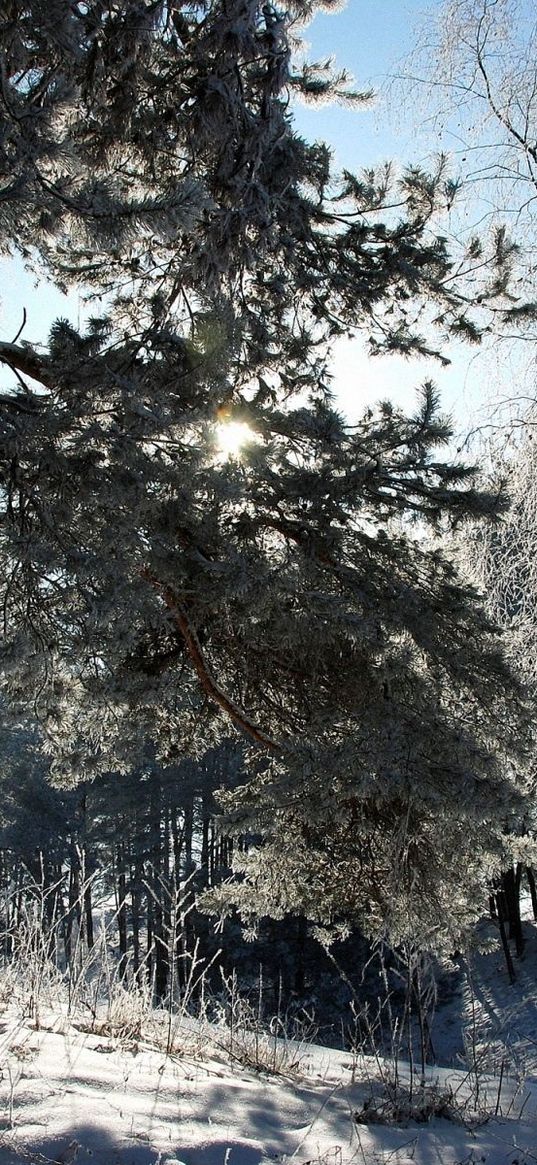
column 370, row 38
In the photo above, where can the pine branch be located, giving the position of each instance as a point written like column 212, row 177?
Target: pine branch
column 27, row 361
column 208, row 683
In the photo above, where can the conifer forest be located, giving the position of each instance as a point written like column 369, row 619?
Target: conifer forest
column 268, row 660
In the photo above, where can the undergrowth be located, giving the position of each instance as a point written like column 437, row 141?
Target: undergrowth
column 99, row 992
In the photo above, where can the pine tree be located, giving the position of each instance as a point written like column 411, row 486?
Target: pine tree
column 157, row 589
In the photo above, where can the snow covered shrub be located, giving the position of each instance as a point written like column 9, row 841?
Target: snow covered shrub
column 255, row 1041
column 392, row 1103
column 32, row 971
column 128, row 1011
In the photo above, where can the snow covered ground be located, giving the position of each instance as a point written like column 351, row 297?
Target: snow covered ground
column 97, row 1096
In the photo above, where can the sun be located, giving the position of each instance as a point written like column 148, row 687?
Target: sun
column 232, row 436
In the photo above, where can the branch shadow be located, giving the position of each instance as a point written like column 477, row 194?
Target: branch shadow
column 87, row 1143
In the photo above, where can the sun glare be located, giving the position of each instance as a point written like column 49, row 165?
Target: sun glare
column 232, row 436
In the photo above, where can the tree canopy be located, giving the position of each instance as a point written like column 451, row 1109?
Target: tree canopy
column 159, row 589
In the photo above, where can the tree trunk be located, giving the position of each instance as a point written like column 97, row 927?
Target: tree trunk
column 88, row 912
column 121, row 893
column 533, row 891
column 74, row 911
column 500, row 902
column 300, row 970
column 160, row 952
column 511, row 895
column 188, row 932
column 86, row 884
column 149, row 955
column 136, row 896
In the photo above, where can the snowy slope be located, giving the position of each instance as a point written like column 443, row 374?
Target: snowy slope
column 130, row 1104
column 69, row 1094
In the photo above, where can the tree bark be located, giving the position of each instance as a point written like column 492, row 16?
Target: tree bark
column 121, row 892
column 503, row 935
column 511, row 897
column 533, row 891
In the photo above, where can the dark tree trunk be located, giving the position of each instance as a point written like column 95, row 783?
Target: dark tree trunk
column 501, row 909
column 188, row 937
column 178, row 937
column 165, row 892
column 86, row 884
column 121, row 893
column 533, row 891
column 88, row 912
column 160, row 949
column 300, row 969
column 205, row 830
column 149, row 955
column 74, row 909
column 136, row 898
column 510, row 887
